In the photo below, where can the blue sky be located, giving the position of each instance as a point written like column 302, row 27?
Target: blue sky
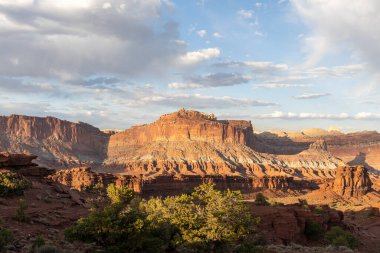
column 116, row 63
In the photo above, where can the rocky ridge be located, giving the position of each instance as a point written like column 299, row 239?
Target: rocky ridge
column 57, row 143
column 190, row 142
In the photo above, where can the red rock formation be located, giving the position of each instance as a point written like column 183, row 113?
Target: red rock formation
column 359, row 148
column 56, row 142
column 276, row 183
column 12, row 160
column 83, row 178
column 286, row 224
column 352, row 181
column 194, row 143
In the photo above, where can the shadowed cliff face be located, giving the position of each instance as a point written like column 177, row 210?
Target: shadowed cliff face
column 57, row 143
column 360, row 148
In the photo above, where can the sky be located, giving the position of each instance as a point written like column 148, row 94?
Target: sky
column 283, row 64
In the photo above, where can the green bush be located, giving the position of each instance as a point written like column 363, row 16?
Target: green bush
column 119, row 194
column 314, row 231
column 11, row 184
column 20, row 212
column 117, row 229
column 6, row 237
column 206, row 219
column 261, row 200
column 319, row 210
column 336, row 236
column 37, row 244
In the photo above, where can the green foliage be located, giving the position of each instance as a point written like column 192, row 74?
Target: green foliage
column 303, row 202
column 338, row 237
column 11, row 184
column 37, row 244
column 6, row 237
column 261, row 200
column 119, row 194
column 314, row 231
column 117, row 229
column 319, row 210
column 20, row 212
column 206, row 219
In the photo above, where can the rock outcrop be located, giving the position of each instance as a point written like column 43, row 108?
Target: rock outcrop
column 83, row 178
column 352, row 181
column 15, row 160
column 275, row 183
column 57, row 143
column 286, row 224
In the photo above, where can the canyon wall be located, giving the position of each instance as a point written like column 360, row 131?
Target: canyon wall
column 359, row 148
column 57, row 143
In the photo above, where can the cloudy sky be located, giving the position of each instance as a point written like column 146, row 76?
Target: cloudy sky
column 284, row 64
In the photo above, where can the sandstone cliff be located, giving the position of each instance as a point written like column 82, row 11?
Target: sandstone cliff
column 358, row 148
column 56, row 142
column 352, row 181
column 194, row 143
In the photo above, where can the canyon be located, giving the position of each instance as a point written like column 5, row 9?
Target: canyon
column 188, row 143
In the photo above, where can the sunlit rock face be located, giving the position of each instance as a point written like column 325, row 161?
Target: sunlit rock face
column 57, row 143
column 191, row 142
column 352, row 181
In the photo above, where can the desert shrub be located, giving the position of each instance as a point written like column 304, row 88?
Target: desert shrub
column 336, row 236
column 206, row 219
column 313, row 231
column 117, row 228
column 37, row 244
column 119, row 194
column 6, row 237
column 20, row 212
column 261, row 200
column 203, row 220
column 319, row 210
column 11, row 184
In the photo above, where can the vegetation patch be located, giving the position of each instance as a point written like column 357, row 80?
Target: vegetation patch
column 11, row 184
column 336, row 236
column 204, row 220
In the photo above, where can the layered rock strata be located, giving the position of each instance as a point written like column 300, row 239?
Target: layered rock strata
column 57, row 143
column 194, row 143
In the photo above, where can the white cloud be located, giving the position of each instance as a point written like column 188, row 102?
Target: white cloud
column 322, row 116
column 202, row 33
column 211, row 80
column 107, row 5
column 132, row 39
column 245, row 13
column 217, row 35
column 199, row 56
column 337, row 71
column 311, row 95
column 198, row 101
column 339, row 25
column 283, row 85
column 179, row 85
